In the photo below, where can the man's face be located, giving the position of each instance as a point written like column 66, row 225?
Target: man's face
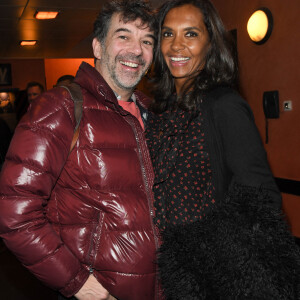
column 126, row 54
column 33, row 92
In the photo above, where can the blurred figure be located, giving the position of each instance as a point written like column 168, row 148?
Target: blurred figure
column 5, row 104
column 64, row 80
column 34, row 89
column 24, row 97
column 21, row 104
column 5, row 137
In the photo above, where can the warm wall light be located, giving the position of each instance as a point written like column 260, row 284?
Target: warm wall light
column 260, row 25
column 28, row 43
column 45, row 15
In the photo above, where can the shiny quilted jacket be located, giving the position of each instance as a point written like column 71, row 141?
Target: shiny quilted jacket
column 68, row 215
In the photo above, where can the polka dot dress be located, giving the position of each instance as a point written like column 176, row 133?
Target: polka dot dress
column 183, row 188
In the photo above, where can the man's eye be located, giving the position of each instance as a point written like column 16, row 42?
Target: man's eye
column 166, row 34
column 191, row 34
column 123, row 37
column 150, row 43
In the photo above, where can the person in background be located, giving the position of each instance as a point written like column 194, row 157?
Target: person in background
column 64, row 80
column 5, row 137
column 34, row 89
column 217, row 206
column 5, row 103
column 81, row 219
column 24, row 97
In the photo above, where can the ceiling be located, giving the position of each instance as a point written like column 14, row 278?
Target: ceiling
column 67, row 36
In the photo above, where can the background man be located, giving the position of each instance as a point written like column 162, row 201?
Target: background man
column 24, row 97
column 34, row 89
column 64, row 80
column 82, row 221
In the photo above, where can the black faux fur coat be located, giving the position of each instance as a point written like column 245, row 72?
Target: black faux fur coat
column 242, row 250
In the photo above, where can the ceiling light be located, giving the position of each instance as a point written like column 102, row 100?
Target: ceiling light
column 260, row 25
column 45, row 15
column 28, row 43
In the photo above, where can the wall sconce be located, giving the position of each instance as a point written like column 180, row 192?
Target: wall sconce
column 260, row 25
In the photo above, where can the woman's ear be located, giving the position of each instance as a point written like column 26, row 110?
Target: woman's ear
column 97, row 48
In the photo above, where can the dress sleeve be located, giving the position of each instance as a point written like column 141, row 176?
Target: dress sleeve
column 243, row 149
column 35, row 158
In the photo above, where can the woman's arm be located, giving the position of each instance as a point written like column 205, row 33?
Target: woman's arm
column 243, row 149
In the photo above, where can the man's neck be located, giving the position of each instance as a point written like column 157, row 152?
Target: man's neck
column 123, row 95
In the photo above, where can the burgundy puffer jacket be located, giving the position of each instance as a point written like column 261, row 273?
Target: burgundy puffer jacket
column 65, row 216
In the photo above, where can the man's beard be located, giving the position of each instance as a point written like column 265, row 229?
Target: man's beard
column 120, row 78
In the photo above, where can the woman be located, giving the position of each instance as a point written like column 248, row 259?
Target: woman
column 216, row 203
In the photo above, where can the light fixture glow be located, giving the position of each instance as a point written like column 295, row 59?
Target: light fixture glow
column 260, row 26
column 46, row 15
column 4, row 96
column 28, row 43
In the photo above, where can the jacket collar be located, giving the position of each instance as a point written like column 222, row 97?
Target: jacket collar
column 91, row 80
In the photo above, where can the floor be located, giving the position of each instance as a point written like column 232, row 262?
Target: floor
column 16, row 283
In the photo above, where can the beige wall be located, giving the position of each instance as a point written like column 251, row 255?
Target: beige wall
column 274, row 65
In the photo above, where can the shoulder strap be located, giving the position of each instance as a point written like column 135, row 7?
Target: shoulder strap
column 76, row 95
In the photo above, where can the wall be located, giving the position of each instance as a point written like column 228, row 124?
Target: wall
column 272, row 66
column 54, row 68
column 45, row 71
column 25, row 70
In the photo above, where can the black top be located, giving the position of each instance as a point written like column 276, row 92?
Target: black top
column 196, row 160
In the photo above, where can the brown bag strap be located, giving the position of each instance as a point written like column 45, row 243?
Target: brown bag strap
column 76, row 95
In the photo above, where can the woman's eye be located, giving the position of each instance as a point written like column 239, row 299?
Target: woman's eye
column 166, row 34
column 191, row 34
column 123, row 37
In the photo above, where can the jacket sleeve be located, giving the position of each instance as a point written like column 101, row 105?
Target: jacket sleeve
column 243, row 149
column 35, row 158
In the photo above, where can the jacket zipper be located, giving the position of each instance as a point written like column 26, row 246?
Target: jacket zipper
column 92, row 259
column 131, row 123
column 139, row 144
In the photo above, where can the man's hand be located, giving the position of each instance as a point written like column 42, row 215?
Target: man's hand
column 93, row 290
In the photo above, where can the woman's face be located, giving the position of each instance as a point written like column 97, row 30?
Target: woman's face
column 184, row 42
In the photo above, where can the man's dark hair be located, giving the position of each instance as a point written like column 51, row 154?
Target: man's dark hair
column 35, row 83
column 64, row 78
column 129, row 10
column 220, row 67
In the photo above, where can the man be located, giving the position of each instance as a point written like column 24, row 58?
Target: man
column 81, row 221
column 34, row 89
column 64, row 80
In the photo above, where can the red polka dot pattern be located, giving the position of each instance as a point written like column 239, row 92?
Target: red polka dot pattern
column 183, row 188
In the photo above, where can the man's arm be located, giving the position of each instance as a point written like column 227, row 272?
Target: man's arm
column 34, row 161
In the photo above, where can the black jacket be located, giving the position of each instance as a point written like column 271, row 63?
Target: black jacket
column 236, row 151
